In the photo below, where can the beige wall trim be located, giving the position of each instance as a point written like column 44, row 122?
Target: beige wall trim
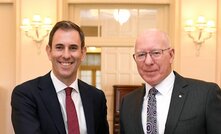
column 218, row 47
column 18, row 41
column 121, row 1
column 6, row 1
column 175, row 14
column 61, row 12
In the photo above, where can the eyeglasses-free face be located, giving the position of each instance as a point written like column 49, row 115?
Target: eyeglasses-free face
column 154, row 54
column 66, row 54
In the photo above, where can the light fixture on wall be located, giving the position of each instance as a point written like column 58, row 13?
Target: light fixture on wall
column 121, row 15
column 200, row 31
column 36, row 29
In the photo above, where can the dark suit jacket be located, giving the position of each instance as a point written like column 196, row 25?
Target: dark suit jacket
column 36, row 109
column 198, row 111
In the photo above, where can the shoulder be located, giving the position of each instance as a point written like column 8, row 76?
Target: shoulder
column 194, row 83
column 135, row 94
column 30, row 85
column 201, row 84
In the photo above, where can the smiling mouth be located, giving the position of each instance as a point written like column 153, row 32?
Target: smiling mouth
column 66, row 63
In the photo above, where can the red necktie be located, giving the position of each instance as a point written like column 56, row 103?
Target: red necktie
column 73, row 126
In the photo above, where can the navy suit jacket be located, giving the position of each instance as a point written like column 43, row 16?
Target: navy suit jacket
column 36, row 109
column 195, row 108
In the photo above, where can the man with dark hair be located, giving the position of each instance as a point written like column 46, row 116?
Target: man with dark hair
column 58, row 102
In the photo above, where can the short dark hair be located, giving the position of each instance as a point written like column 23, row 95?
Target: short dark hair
column 66, row 25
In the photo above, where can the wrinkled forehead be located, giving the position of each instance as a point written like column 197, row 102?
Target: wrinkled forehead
column 152, row 40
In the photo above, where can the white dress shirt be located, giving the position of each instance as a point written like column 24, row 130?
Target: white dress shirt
column 75, row 95
column 163, row 98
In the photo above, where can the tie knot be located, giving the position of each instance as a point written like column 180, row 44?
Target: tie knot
column 68, row 91
column 153, row 91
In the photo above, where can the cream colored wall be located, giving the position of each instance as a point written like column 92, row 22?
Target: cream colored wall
column 120, row 71
column 33, row 62
column 7, row 62
column 204, row 65
column 218, row 46
column 29, row 64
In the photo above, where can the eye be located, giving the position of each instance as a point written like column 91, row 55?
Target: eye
column 73, row 47
column 59, row 47
column 141, row 54
column 156, row 53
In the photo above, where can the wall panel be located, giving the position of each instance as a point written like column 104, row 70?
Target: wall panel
column 7, row 62
column 117, row 67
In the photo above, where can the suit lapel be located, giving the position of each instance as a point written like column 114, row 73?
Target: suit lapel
column 50, row 100
column 177, row 101
column 87, row 105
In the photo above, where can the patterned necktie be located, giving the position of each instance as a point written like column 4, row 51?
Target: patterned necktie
column 152, row 112
column 73, row 126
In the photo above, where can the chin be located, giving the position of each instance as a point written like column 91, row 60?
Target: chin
column 151, row 81
column 65, row 74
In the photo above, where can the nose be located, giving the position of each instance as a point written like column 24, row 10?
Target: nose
column 66, row 53
column 149, row 60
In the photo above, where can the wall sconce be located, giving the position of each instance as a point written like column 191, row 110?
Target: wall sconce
column 36, row 29
column 200, row 31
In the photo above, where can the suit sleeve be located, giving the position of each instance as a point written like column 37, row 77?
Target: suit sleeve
column 213, row 111
column 121, row 116
column 104, row 129
column 24, row 112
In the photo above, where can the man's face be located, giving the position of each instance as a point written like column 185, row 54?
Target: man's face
column 66, row 54
column 154, row 69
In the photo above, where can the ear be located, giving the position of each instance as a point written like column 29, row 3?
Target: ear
column 48, row 50
column 172, row 53
column 84, row 52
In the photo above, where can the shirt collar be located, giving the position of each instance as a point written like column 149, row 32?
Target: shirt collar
column 164, row 86
column 59, row 86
